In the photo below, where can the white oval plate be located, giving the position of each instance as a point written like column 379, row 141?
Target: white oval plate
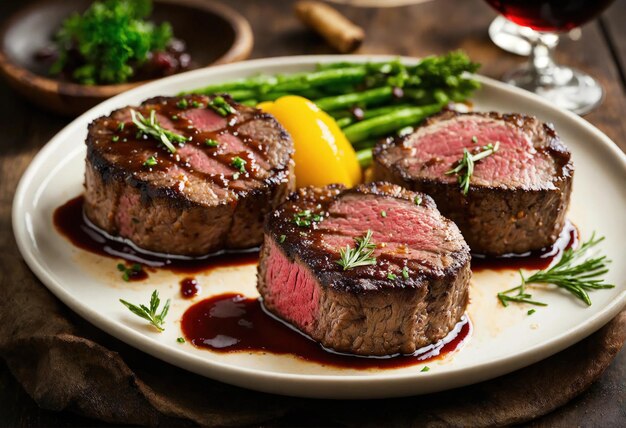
column 504, row 339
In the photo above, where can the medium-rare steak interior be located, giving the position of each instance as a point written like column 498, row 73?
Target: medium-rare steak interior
column 186, row 175
column 373, row 270
column 517, row 197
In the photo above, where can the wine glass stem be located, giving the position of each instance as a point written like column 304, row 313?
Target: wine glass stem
column 542, row 64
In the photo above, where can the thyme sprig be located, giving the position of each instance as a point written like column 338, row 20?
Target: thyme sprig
column 150, row 126
column 150, row 313
column 465, row 168
column 574, row 273
column 361, row 255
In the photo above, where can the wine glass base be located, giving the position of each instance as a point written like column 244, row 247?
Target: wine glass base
column 565, row 87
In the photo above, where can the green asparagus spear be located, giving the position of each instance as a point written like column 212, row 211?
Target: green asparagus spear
column 386, row 124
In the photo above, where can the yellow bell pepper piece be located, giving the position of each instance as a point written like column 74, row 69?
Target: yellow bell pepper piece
column 323, row 154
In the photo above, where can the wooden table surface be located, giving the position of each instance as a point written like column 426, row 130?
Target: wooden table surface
column 422, row 29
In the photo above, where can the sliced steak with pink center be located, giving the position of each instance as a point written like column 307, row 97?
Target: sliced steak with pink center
column 413, row 293
column 212, row 193
column 518, row 196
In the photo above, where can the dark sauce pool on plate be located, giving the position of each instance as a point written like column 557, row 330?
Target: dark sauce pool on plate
column 533, row 260
column 71, row 222
column 234, row 323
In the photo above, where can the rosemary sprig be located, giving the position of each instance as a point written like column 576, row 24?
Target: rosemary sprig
column 466, row 164
column 521, row 297
column 150, row 313
column 361, row 255
column 151, row 126
column 573, row 273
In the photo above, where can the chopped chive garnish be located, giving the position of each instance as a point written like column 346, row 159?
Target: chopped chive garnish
column 115, row 138
column 383, row 214
column 174, row 117
column 531, row 311
column 181, row 340
column 240, row 164
column 129, row 272
column 211, row 142
column 474, row 139
column 306, row 217
column 405, row 272
column 151, row 161
column 392, row 276
column 120, row 127
column 418, row 200
column 219, row 105
column 182, row 104
column 425, row 369
column 282, row 238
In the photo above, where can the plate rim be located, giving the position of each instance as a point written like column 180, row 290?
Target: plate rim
column 223, row 371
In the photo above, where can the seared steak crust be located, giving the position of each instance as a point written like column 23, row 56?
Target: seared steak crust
column 413, row 296
column 197, row 200
column 518, row 197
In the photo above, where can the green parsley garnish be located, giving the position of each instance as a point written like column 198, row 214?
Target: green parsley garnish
column 383, row 214
column 239, row 163
column 152, row 128
column 466, row 164
column 181, row 340
column 150, row 313
column 392, row 276
column 151, row 161
column 361, row 255
column 306, row 217
column 128, row 272
column 220, row 106
column 571, row 273
column 211, row 142
column 111, row 38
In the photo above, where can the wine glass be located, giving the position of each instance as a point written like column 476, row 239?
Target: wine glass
column 506, row 35
column 540, row 22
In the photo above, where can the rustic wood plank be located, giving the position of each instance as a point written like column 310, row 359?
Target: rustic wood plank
column 417, row 30
column 613, row 25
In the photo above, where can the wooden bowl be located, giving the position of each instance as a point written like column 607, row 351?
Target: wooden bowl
column 214, row 34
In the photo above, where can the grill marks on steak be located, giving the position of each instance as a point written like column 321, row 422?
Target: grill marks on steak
column 197, row 193
column 361, row 310
column 518, row 196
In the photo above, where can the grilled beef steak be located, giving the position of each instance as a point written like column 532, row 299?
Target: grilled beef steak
column 211, row 194
column 413, row 294
column 517, row 197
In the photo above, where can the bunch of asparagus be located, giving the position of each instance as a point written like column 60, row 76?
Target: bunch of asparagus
column 368, row 100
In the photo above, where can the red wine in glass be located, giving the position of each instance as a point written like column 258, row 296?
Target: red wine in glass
column 550, row 15
column 563, row 86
